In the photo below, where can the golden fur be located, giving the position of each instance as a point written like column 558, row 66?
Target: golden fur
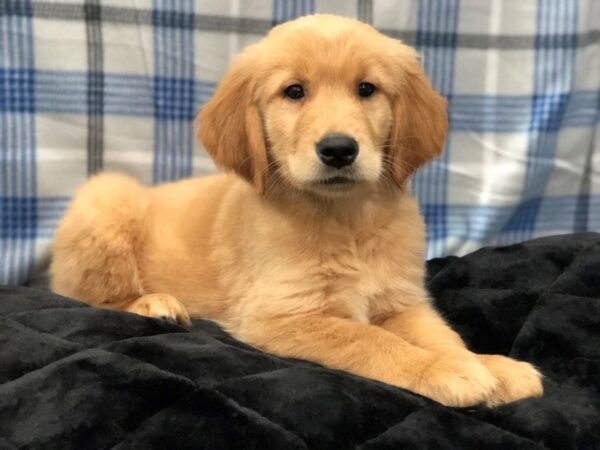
column 283, row 261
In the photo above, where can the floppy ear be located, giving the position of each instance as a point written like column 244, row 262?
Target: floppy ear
column 420, row 124
column 231, row 129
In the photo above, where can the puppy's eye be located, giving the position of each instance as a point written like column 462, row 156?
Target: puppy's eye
column 366, row 89
column 295, row 91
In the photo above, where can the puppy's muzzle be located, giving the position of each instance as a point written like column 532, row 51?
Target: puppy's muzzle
column 337, row 150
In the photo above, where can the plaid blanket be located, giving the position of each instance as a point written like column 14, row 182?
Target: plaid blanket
column 89, row 85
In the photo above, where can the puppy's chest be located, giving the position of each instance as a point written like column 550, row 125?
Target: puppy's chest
column 362, row 278
column 354, row 269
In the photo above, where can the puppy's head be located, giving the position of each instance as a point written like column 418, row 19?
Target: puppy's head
column 328, row 103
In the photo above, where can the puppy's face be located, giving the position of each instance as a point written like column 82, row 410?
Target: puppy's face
column 330, row 104
column 327, row 106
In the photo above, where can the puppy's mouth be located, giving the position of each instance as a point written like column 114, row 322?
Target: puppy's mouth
column 337, row 181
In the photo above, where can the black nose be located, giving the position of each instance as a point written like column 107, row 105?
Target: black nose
column 337, row 150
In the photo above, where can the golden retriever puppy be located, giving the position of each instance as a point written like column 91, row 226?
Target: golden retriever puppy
column 312, row 247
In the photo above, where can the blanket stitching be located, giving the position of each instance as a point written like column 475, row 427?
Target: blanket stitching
column 7, row 317
column 372, row 438
column 289, row 366
column 10, row 313
column 546, row 290
column 139, row 425
column 276, row 425
column 457, row 411
column 260, row 414
column 93, row 348
column 103, row 347
column 14, row 446
column 317, row 369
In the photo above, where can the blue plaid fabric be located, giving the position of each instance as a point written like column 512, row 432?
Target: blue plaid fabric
column 90, row 85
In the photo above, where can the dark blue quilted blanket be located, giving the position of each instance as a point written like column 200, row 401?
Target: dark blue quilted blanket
column 76, row 377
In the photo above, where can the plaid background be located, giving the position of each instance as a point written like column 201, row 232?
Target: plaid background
column 87, row 85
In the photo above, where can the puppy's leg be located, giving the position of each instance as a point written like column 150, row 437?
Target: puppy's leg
column 421, row 325
column 96, row 247
column 161, row 306
column 372, row 352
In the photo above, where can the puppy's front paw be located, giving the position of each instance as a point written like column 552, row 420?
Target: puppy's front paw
column 516, row 379
column 163, row 306
column 456, row 380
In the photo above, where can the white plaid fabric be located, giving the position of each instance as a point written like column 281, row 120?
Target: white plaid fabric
column 88, row 85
